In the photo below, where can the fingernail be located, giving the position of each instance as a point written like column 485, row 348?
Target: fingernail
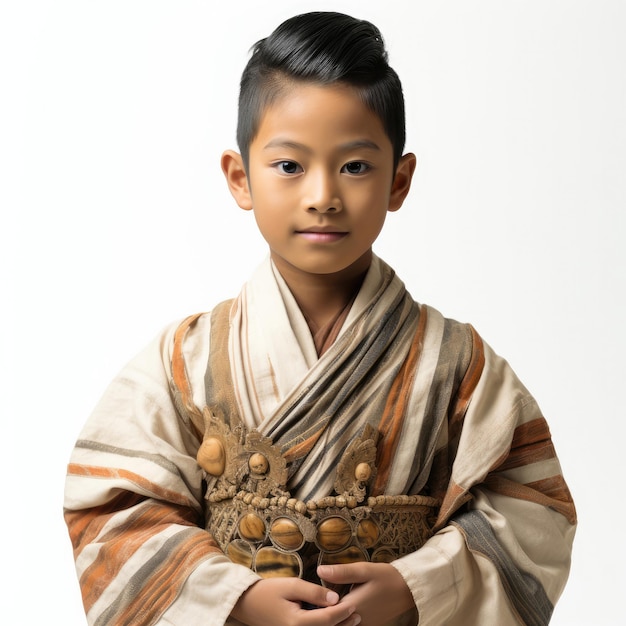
column 332, row 597
column 357, row 620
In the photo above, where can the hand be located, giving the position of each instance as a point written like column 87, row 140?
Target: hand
column 278, row 601
column 378, row 591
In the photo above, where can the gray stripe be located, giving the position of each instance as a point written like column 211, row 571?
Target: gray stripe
column 455, row 351
column 342, row 377
column 366, row 405
column 523, row 589
column 136, row 454
column 143, row 575
column 343, row 400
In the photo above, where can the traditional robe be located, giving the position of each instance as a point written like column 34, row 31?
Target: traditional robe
column 454, row 423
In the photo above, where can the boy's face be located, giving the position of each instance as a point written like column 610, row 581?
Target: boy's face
column 320, row 180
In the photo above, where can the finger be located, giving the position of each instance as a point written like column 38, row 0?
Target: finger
column 317, row 613
column 338, row 615
column 315, row 595
column 343, row 574
column 353, row 620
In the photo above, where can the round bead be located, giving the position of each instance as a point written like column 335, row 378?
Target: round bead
column 271, row 563
column 333, row 533
column 252, row 527
column 367, row 533
column 286, row 534
column 258, row 464
column 239, row 551
column 383, row 555
column 363, row 472
column 212, row 457
column 351, row 554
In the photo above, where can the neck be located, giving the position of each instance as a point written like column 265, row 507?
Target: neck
column 322, row 296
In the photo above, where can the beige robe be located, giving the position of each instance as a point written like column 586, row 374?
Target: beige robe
column 455, row 423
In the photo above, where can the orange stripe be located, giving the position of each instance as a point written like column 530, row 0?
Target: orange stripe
column 534, row 453
column 75, row 469
column 554, row 487
column 179, row 371
column 85, row 525
column 395, row 408
column 301, row 449
column 531, row 432
column 531, row 444
column 164, row 586
column 510, row 488
column 123, row 541
column 453, row 495
column 456, row 496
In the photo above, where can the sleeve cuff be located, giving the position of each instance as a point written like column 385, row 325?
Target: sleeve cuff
column 210, row 593
column 431, row 576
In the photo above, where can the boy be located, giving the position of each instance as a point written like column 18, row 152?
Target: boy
column 322, row 441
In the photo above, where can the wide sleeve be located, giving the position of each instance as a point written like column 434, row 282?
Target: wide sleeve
column 133, row 507
column 502, row 551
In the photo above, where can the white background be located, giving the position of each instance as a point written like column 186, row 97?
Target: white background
column 116, row 221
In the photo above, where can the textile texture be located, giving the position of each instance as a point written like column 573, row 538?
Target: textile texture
column 453, row 422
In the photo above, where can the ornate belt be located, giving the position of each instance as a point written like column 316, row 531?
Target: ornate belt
column 258, row 524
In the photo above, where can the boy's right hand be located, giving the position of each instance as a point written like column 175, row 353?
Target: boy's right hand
column 279, row 601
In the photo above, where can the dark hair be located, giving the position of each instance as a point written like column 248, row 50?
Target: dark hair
column 321, row 48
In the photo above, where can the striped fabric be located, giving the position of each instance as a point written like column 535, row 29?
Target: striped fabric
column 453, row 420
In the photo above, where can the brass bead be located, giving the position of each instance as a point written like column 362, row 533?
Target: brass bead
column 252, row 527
column 271, row 563
column 383, row 555
column 363, row 472
column 212, row 456
column 286, row 534
column 367, row 533
column 351, row 554
column 240, row 552
column 333, row 533
column 258, row 464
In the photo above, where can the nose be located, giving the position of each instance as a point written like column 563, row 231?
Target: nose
column 322, row 193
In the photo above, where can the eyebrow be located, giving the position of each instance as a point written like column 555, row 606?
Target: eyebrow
column 294, row 145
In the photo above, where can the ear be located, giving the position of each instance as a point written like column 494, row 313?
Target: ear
column 402, row 181
column 235, row 173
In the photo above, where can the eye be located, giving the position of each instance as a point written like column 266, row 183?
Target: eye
column 288, row 167
column 355, row 167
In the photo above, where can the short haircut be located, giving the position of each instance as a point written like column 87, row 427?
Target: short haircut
column 321, row 48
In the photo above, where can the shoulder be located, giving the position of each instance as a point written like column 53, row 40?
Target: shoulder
column 463, row 348
column 185, row 338
column 453, row 340
column 191, row 336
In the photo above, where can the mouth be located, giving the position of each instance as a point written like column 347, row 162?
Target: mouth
column 322, row 234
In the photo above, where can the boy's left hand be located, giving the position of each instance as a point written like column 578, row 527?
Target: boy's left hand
column 378, row 592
